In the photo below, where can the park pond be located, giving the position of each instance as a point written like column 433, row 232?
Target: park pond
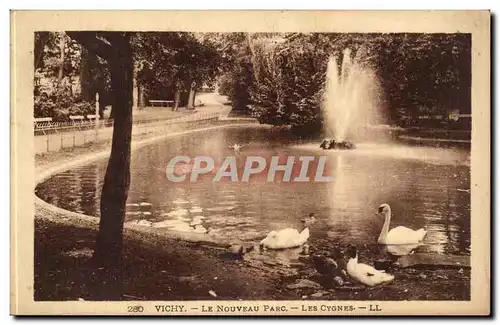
column 425, row 186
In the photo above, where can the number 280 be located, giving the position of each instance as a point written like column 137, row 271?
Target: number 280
column 135, row 309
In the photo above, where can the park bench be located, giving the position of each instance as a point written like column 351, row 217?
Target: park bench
column 77, row 120
column 93, row 117
column 44, row 123
column 161, row 103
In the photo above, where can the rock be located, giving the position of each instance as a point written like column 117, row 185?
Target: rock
column 187, row 278
column 235, row 249
column 338, row 281
column 319, row 294
column 422, row 259
column 240, row 250
column 270, row 263
column 351, row 288
column 212, row 293
column 333, row 144
column 382, row 264
column 422, row 276
column 248, row 248
column 304, row 283
column 254, row 264
column 306, row 273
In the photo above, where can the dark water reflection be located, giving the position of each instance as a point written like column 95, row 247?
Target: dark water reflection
column 426, row 187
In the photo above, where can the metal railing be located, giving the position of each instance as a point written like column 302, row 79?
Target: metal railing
column 47, row 127
column 59, row 135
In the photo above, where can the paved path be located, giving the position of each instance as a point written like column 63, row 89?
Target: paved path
column 160, row 116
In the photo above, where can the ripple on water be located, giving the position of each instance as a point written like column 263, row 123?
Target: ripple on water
column 426, row 187
column 180, row 201
column 180, row 212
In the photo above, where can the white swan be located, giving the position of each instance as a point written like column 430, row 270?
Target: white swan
column 364, row 273
column 399, row 235
column 402, row 249
column 285, row 238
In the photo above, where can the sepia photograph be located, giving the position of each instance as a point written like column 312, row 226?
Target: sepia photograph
column 223, row 171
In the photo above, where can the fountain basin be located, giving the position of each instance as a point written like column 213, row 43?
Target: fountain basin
column 329, row 144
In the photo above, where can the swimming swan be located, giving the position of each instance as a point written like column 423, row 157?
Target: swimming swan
column 364, row 273
column 399, row 235
column 285, row 238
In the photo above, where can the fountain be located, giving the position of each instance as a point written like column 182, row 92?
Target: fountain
column 349, row 102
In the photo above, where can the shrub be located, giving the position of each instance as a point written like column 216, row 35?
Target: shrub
column 288, row 84
column 82, row 108
column 57, row 100
column 44, row 106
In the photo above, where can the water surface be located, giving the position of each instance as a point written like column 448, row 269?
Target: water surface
column 425, row 186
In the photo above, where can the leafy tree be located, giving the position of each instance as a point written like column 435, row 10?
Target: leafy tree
column 418, row 73
column 171, row 62
column 289, row 77
column 57, row 69
column 115, row 48
column 235, row 70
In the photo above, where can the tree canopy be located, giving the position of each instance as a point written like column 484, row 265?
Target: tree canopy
column 164, row 63
column 418, row 73
column 279, row 78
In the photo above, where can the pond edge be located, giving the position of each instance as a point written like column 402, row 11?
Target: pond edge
column 43, row 173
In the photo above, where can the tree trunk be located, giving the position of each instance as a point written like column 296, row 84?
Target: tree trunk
column 86, row 63
column 141, row 95
column 192, row 94
column 41, row 39
column 117, row 179
column 177, row 98
column 61, row 58
column 135, row 92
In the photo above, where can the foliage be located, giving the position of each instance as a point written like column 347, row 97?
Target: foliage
column 289, row 82
column 59, row 102
column 52, row 54
column 279, row 78
column 174, row 60
column 54, row 97
column 424, row 72
column 164, row 62
column 235, row 67
column 418, row 73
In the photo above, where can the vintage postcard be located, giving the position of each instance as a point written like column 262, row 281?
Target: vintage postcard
column 272, row 163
